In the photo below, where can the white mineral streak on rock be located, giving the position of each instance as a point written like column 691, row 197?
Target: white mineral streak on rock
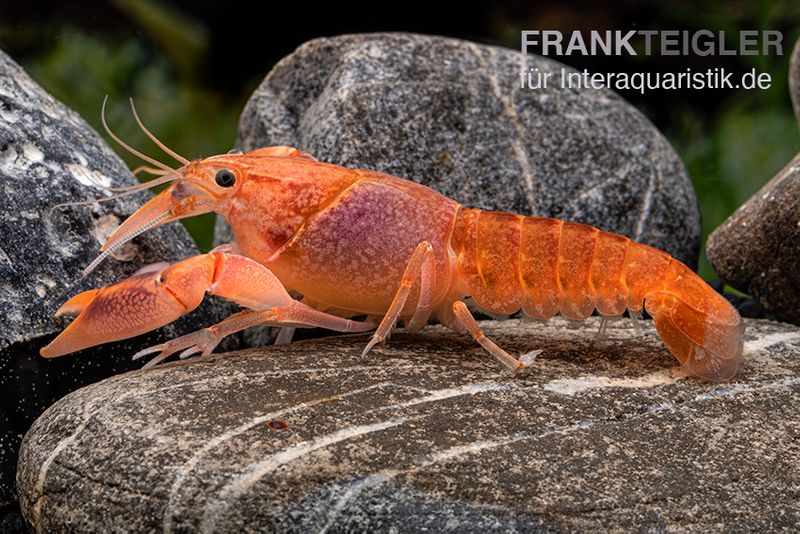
column 571, row 386
column 757, row 345
column 38, row 490
column 517, row 146
column 449, row 393
column 452, row 453
column 218, row 380
column 254, row 472
column 263, row 467
column 652, row 183
column 597, row 190
column 728, row 391
column 216, row 441
column 742, row 388
column 355, row 488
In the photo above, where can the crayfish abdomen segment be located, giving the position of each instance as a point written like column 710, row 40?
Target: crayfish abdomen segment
column 488, row 261
column 546, row 266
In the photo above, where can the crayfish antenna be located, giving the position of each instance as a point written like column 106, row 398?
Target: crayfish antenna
column 125, row 145
column 155, row 139
column 127, row 191
column 148, row 170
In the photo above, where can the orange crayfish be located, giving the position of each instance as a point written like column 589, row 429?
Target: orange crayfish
column 358, row 242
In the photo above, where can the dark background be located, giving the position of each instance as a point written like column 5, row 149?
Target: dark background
column 191, row 65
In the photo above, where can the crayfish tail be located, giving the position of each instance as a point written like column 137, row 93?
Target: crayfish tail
column 698, row 325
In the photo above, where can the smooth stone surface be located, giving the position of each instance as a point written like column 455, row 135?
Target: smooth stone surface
column 757, row 249
column 450, row 114
column 49, row 155
column 428, row 433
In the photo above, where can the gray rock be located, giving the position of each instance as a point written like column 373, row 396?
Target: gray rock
column 48, row 155
column 450, row 114
column 794, row 79
column 757, row 249
column 428, row 433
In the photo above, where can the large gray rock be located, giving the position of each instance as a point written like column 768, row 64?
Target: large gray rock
column 757, row 249
column 428, row 433
column 48, row 155
column 450, row 114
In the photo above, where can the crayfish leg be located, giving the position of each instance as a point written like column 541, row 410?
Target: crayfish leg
column 285, row 335
column 294, row 314
column 420, row 270
column 635, row 318
column 601, row 332
column 466, row 319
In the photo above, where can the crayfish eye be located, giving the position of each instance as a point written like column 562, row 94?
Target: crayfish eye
column 225, row 178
